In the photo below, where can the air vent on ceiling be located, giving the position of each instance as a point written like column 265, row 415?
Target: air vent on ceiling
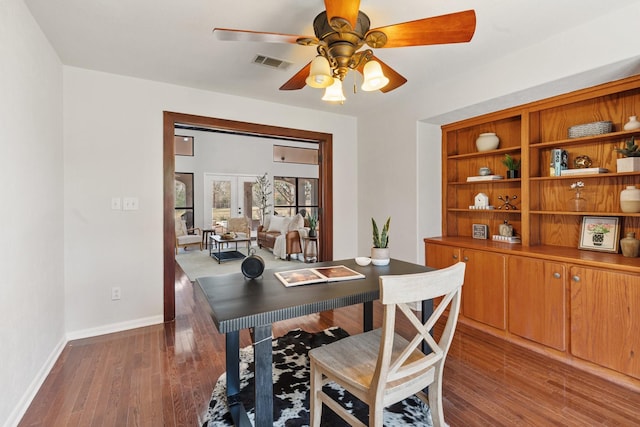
column 271, row 62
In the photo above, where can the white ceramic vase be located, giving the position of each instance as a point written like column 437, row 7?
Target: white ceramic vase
column 630, row 245
column 632, row 124
column 380, row 256
column 630, row 199
column 487, row 141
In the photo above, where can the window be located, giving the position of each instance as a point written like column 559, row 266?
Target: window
column 293, row 195
column 286, row 154
column 183, row 145
column 184, row 197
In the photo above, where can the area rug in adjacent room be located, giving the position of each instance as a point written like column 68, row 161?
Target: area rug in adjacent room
column 291, row 388
column 197, row 263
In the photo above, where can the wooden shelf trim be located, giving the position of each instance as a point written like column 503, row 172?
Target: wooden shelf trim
column 585, row 213
column 587, row 176
column 505, row 211
column 484, row 153
column 491, row 181
column 586, row 139
column 564, row 254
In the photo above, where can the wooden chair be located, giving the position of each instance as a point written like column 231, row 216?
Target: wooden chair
column 187, row 236
column 380, row 367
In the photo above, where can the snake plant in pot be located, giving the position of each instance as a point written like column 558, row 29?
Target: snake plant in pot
column 380, row 249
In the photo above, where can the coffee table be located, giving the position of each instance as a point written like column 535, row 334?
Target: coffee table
column 227, row 254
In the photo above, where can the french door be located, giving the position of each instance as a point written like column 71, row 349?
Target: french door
column 228, row 196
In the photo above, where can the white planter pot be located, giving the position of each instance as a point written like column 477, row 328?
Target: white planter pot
column 380, row 256
column 628, row 164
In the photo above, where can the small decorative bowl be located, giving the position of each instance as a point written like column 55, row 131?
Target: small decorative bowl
column 363, row 260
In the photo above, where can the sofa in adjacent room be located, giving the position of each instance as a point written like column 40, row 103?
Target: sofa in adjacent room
column 282, row 234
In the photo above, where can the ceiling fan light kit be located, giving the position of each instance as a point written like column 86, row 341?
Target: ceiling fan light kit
column 374, row 78
column 334, row 92
column 341, row 30
column 320, row 75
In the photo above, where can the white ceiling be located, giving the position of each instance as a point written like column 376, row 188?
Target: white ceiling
column 171, row 41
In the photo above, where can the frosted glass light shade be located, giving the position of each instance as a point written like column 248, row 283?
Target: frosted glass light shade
column 334, row 92
column 374, row 79
column 320, row 74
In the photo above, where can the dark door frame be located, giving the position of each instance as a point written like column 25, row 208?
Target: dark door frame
column 325, row 185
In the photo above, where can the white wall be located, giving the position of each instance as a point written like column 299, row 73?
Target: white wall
column 228, row 154
column 31, row 254
column 113, row 147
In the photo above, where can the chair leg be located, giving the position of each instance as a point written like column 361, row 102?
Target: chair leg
column 314, row 398
column 376, row 416
column 435, row 402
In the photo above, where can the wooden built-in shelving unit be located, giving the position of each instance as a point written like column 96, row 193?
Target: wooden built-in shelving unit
column 577, row 305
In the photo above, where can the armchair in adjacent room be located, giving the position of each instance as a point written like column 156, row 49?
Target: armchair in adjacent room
column 187, row 236
column 241, row 226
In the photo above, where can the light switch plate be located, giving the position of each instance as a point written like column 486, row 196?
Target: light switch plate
column 130, row 203
column 116, row 203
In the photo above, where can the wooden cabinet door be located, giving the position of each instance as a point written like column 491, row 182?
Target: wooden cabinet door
column 537, row 306
column 483, row 293
column 441, row 256
column 605, row 314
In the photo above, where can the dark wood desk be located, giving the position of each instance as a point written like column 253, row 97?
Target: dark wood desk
column 238, row 303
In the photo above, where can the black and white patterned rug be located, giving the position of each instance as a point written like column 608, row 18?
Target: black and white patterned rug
column 291, row 388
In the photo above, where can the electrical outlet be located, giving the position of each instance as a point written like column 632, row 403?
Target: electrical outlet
column 115, row 293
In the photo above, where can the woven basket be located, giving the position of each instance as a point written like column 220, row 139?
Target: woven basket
column 588, row 129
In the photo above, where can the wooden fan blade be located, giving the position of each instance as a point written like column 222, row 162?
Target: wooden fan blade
column 298, row 80
column 227, row 34
column 395, row 79
column 452, row 28
column 346, row 9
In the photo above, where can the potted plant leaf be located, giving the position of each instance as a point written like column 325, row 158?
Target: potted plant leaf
column 630, row 162
column 512, row 165
column 380, row 250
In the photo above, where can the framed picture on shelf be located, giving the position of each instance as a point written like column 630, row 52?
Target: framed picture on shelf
column 600, row 234
column 480, row 231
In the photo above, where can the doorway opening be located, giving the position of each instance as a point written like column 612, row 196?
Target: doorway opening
column 325, row 184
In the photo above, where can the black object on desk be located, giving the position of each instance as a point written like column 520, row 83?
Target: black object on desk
column 239, row 303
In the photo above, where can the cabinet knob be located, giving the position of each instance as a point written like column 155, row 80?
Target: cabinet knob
column 466, row 259
column 556, row 275
column 576, row 278
column 455, row 257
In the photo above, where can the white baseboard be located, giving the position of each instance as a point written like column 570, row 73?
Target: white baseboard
column 115, row 327
column 37, row 382
column 32, row 390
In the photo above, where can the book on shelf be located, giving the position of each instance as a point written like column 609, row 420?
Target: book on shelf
column 483, row 178
column 506, row 239
column 305, row 276
column 559, row 161
column 584, row 171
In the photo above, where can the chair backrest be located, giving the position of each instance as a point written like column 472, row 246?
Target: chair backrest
column 397, row 292
column 181, row 227
column 238, row 224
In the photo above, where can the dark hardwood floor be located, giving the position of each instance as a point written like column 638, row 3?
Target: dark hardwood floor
column 163, row 376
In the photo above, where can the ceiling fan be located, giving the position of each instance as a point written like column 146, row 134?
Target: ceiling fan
column 340, row 33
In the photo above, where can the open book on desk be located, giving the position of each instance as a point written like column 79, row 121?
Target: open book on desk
column 305, row 276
